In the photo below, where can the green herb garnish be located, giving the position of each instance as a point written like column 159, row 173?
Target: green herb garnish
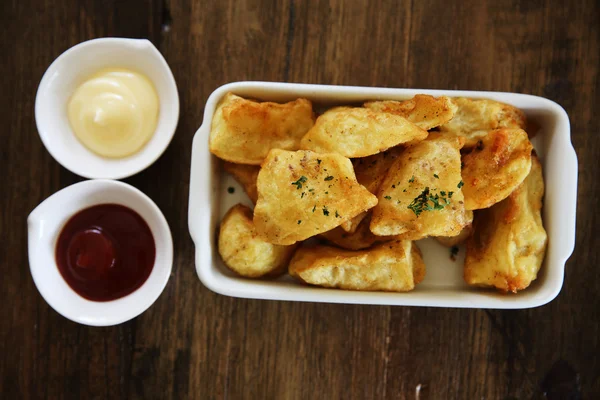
column 299, row 221
column 388, row 197
column 453, row 253
column 427, row 201
column 436, row 176
column 329, row 178
column 230, row 190
column 325, row 211
column 460, row 184
column 412, row 179
column 299, row 182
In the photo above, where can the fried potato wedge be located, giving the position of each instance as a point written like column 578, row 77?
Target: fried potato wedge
column 359, row 132
column 243, row 131
column 351, row 225
column 461, row 237
column 508, row 243
column 394, row 266
column 361, row 238
column 244, row 252
column 474, row 118
column 246, row 176
column 423, row 110
column 421, row 196
column 302, row 194
column 370, row 172
column 495, row 167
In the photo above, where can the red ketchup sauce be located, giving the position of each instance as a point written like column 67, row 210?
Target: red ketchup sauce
column 105, row 252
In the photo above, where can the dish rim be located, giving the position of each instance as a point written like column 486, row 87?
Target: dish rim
column 208, row 272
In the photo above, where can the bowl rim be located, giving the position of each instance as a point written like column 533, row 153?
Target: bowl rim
column 215, row 280
column 169, row 131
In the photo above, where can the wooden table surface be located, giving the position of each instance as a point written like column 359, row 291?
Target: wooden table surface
column 193, row 343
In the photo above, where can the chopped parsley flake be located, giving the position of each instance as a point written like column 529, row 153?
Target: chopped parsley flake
column 460, row 184
column 453, row 253
column 393, row 186
column 314, row 208
column 436, row 176
column 299, row 221
column 326, row 192
column 299, row 182
column 442, row 193
column 388, row 197
column 450, row 194
column 427, row 201
column 318, row 161
column 325, row 211
column 311, row 190
column 329, row 178
column 404, row 191
column 337, row 215
column 230, row 190
column 412, row 179
column 303, row 193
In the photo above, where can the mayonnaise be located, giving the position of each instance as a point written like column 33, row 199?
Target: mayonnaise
column 114, row 113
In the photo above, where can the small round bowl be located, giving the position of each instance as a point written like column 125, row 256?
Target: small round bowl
column 71, row 69
column 45, row 224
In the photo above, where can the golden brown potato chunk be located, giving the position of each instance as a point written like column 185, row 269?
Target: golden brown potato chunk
column 246, row 176
column 370, row 172
column 244, row 252
column 361, row 238
column 508, row 243
column 495, row 167
column 302, row 194
column 394, row 267
column 423, row 110
column 421, row 195
column 474, row 118
column 243, row 131
column 461, row 237
column 359, row 132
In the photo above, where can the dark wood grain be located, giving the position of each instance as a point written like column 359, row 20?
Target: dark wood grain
column 195, row 344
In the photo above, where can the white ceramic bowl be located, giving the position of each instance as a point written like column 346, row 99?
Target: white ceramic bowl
column 45, row 224
column 73, row 67
column 443, row 285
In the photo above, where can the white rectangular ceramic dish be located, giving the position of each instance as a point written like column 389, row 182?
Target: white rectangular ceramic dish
column 443, row 285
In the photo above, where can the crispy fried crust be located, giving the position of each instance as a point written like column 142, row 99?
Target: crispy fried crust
column 361, row 238
column 508, row 243
column 246, row 176
column 474, row 118
column 359, row 132
column 434, row 165
column 393, row 266
column 423, row 110
column 302, row 194
column 243, row 131
column 370, row 172
column 495, row 167
column 244, row 252
column 461, row 237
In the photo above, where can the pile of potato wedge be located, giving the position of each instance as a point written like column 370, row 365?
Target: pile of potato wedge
column 340, row 199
